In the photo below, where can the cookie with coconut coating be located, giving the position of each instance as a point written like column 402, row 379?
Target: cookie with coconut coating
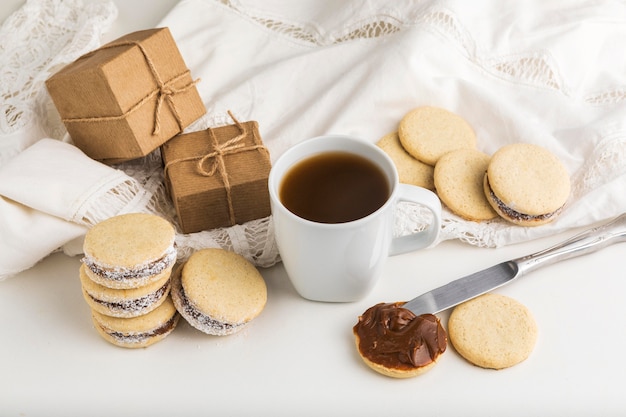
column 218, row 291
column 129, row 250
column 138, row 332
column 131, row 302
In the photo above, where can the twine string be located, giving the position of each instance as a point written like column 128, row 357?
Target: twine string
column 165, row 92
column 218, row 165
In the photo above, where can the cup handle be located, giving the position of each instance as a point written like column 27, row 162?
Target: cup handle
column 423, row 238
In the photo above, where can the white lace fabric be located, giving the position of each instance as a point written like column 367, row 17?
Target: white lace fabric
column 549, row 73
column 37, row 40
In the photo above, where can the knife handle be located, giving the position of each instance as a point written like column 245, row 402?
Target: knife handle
column 583, row 243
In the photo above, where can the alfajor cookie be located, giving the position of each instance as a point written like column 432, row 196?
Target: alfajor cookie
column 410, row 170
column 138, row 332
column 458, row 178
column 218, row 291
column 129, row 250
column 427, row 133
column 394, row 342
column 492, row 331
column 130, row 302
column 526, row 184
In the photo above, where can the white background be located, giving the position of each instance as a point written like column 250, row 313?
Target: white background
column 298, row 357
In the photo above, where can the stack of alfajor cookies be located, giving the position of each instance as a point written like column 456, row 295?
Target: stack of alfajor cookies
column 125, row 279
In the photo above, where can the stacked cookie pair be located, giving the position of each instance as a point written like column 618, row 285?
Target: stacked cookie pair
column 218, row 292
column 125, row 279
column 522, row 183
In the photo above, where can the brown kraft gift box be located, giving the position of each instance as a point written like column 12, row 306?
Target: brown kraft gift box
column 218, row 177
column 127, row 98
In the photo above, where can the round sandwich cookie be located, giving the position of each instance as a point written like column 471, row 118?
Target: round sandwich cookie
column 458, row 180
column 126, row 303
column 428, row 133
column 526, row 184
column 129, row 250
column 396, row 343
column 410, row 170
column 138, row 332
column 492, row 331
column 218, row 291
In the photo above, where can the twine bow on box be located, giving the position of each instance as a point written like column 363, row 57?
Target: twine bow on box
column 216, row 162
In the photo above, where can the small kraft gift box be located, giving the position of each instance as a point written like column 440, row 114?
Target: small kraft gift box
column 127, row 98
column 218, row 177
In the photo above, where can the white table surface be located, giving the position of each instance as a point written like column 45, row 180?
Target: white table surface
column 298, row 357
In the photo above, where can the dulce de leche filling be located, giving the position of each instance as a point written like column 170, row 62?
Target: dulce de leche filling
column 141, row 271
column 516, row 215
column 134, row 304
column 394, row 337
column 139, row 337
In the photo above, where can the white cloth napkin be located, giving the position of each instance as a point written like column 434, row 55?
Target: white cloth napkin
column 51, row 193
column 59, row 179
column 29, row 235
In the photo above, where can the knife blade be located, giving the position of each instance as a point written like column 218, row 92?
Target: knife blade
column 478, row 283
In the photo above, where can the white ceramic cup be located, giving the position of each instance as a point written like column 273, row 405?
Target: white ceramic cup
column 342, row 262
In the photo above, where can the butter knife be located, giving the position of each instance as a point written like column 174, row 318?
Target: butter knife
column 481, row 282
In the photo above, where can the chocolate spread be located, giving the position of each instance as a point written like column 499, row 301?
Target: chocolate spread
column 394, row 337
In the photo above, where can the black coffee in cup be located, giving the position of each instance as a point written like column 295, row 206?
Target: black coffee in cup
column 334, row 187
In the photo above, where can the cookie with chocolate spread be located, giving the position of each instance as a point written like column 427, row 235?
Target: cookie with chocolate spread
column 428, row 133
column 526, row 184
column 138, row 332
column 396, row 343
column 129, row 250
column 492, row 331
column 130, row 302
column 458, row 180
column 218, row 291
column 410, row 170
